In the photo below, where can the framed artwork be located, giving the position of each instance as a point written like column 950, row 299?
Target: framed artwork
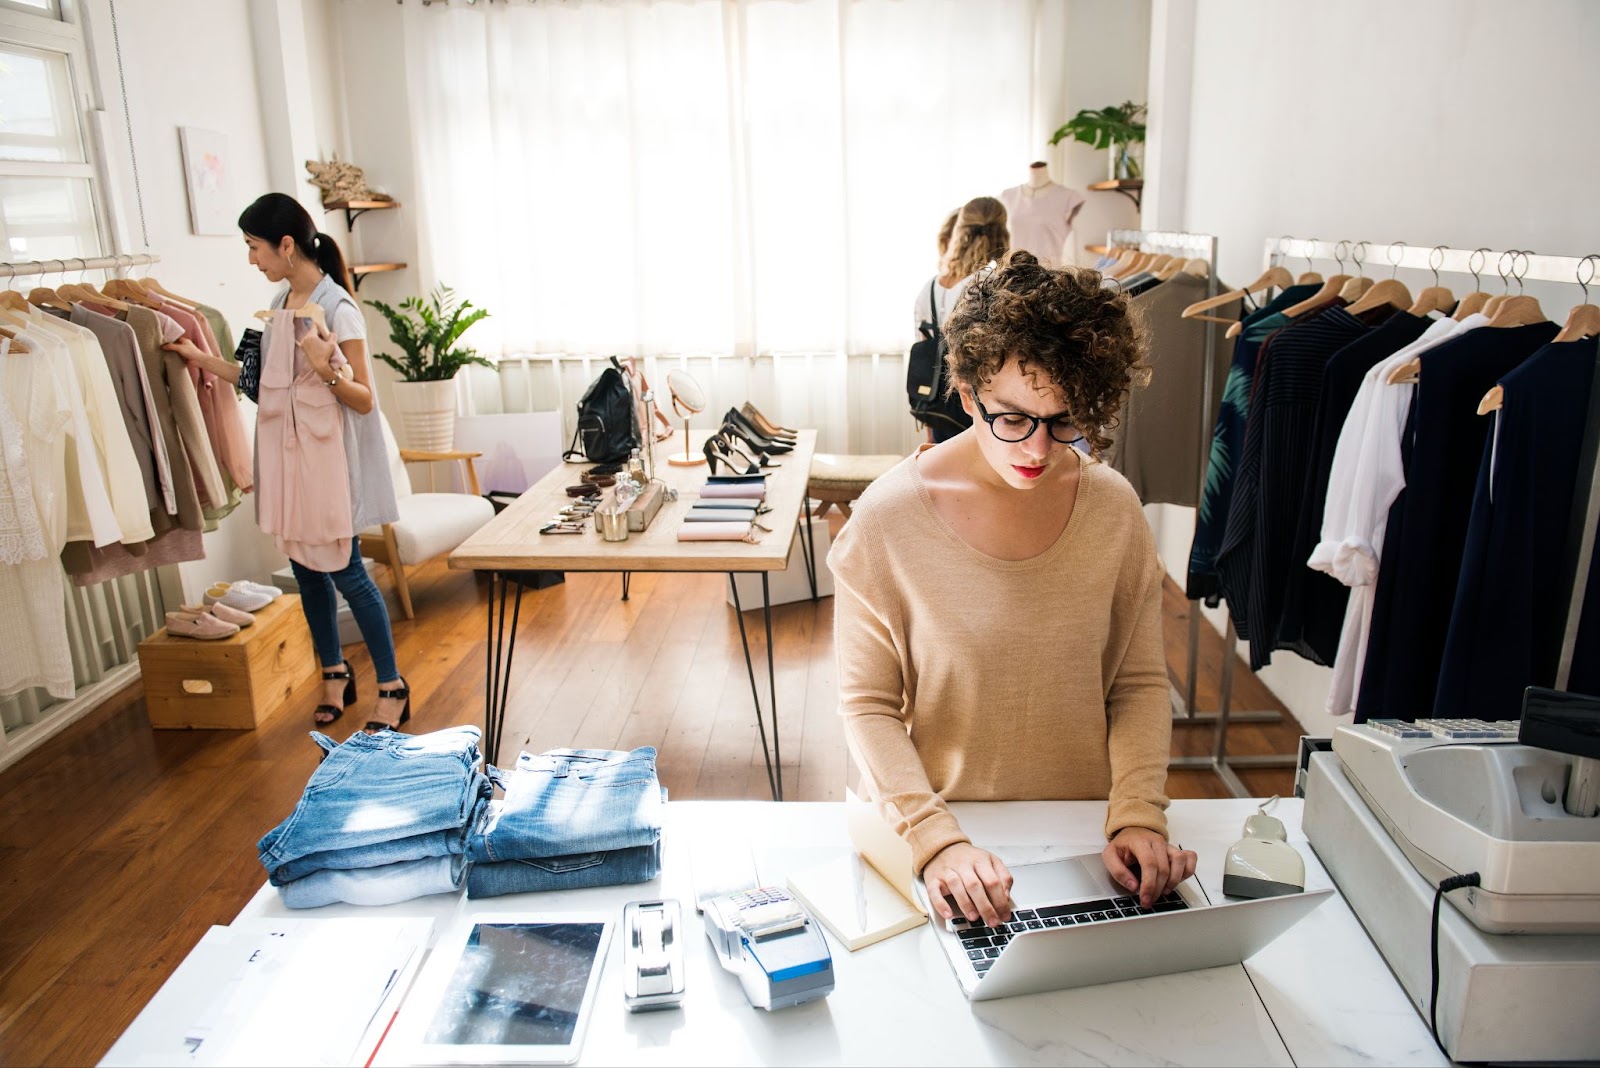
column 207, row 171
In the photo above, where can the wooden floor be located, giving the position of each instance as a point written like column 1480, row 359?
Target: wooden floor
column 120, row 846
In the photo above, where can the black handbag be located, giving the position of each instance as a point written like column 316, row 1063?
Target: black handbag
column 932, row 402
column 608, row 429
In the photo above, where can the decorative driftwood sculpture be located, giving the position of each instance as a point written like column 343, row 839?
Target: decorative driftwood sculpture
column 340, row 181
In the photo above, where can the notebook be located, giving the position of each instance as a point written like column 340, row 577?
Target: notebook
column 863, row 896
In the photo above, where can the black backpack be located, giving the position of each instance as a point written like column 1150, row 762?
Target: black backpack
column 927, row 382
column 608, row 431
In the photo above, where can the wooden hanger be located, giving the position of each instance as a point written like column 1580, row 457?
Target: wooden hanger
column 88, row 293
column 1519, row 310
column 1435, row 297
column 1475, row 300
column 1308, row 278
column 1330, row 289
column 1584, row 319
column 44, row 297
column 132, row 292
column 10, row 298
column 1408, row 372
column 1431, row 299
column 1470, row 304
column 156, row 287
column 1354, row 289
column 18, row 346
column 1388, row 291
column 1272, row 276
column 308, row 310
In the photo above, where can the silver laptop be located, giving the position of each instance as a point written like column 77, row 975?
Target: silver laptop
column 1071, row 925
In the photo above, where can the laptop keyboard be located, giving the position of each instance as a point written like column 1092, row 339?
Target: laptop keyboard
column 983, row 944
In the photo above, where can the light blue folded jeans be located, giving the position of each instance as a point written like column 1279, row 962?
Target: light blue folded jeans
column 572, row 801
column 387, row 885
column 376, row 799
column 636, row 864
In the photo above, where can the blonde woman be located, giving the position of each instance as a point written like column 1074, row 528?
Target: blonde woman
column 979, row 237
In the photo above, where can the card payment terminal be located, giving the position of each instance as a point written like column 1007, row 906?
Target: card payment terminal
column 775, row 948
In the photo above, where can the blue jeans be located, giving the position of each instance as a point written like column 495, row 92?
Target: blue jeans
column 609, row 868
column 371, row 797
column 388, row 885
column 572, row 801
column 366, row 604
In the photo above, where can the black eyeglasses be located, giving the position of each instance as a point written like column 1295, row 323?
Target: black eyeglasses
column 1015, row 426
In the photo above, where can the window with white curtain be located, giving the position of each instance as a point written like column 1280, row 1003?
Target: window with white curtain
column 47, row 179
column 660, row 177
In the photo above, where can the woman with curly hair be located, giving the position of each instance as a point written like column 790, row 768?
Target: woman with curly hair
column 998, row 598
column 971, row 238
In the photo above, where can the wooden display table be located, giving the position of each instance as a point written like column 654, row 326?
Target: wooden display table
column 229, row 683
column 509, row 547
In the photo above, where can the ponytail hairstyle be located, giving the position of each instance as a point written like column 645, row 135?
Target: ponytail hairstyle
column 274, row 216
column 980, row 236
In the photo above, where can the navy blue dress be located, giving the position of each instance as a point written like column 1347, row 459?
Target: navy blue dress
column 1511, row 602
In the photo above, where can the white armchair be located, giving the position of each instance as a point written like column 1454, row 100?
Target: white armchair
column 429, row 523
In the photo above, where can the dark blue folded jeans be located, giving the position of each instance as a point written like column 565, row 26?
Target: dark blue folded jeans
column 572, row 802
column 636, row 864
column 381, row 799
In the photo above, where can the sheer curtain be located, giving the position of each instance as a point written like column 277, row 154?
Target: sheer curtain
column 711, row 177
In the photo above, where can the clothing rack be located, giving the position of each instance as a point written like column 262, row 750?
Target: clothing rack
column 77, row 263
column 105, row 622
column 1183, row 705
column 1512, row 265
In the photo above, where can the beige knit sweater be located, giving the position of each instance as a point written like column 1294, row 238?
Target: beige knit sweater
column 967, row 678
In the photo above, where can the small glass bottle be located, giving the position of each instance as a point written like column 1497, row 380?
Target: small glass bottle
column 636, row 469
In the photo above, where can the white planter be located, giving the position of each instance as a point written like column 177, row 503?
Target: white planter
column 427, row 414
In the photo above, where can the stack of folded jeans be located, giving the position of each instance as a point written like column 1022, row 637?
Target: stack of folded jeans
column 571, row 818
column 385, row 818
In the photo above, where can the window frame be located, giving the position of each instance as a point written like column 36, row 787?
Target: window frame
column 64, row 35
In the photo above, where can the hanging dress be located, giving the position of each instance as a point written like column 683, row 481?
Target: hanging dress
column 302, row 498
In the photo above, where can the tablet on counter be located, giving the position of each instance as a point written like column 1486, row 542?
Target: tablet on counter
column 507, row 988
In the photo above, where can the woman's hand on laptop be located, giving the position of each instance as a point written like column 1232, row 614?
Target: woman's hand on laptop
column 961, row 878
column 1145, row 863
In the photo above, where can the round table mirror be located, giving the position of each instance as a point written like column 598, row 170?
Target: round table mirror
column 687, row 399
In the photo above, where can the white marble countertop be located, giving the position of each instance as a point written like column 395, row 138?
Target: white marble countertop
column 1319, row 994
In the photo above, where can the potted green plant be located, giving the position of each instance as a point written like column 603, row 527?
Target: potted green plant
column 1117, row 127
column 427, row 333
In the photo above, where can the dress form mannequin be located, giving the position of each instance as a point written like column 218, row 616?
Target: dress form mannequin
column 1040, row 214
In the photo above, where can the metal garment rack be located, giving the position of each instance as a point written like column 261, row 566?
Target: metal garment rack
column 1183, row 706
column 78, row 263
column 1512, row 265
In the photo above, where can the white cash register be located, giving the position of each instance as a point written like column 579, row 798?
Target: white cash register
column 1505, row 812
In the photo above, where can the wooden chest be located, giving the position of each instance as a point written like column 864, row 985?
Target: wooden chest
column 230, row 683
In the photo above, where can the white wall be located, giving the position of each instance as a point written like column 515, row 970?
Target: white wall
column 1101, row 48
column 214, row 87
column 1465, row 123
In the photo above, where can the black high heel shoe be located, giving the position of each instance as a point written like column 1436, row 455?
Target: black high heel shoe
column 730, row 441
column 719, row 450
column 758, row 451
column 334, row 712
column 395, row 692
column 738, row 424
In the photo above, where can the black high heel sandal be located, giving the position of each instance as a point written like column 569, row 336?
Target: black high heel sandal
column 755, row 438
column 731, row 435
column 730, row 442
column 334, row 712
column 392, row 691
column 718, row 450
